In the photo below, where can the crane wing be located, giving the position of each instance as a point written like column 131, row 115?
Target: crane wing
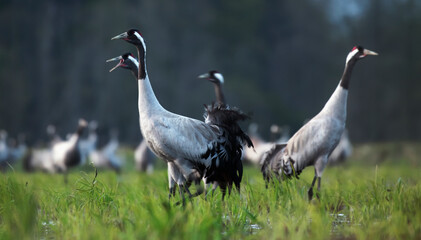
column 316, row 138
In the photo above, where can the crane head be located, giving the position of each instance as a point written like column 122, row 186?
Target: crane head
column 289, row 167
column 213, row 76
column 132, row 36
column 359, row 52
column 126, row 61
column 82, row 123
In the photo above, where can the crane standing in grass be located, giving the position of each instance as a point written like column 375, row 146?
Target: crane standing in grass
column 226, row 173
column 193, row 149
column 218, row 80
column 315, row 141
column 66, row 154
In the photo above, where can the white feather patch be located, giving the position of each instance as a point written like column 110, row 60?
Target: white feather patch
column 134, row 60
column 140, row 39
column 219, row 77
column 351, row 54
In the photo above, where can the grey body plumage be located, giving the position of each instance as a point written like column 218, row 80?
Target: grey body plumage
column 315, row 141
column 193, row 149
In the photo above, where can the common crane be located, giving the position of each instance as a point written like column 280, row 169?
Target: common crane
column 315, row 141
column 218, row 80
column 192, row 148
column 66, row 154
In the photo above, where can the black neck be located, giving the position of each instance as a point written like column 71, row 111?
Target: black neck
column 346, row 76
column 219, row 94
column 142, row 63
column 79, row 130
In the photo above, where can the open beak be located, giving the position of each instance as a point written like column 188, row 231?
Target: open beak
column 120, row 36
column 368, row 52
column 120, row 63
column 205, row 75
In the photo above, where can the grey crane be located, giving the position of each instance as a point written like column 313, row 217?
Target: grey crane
column 221, row 116
column 11, row 150
column 88, row 145
column 315, row 141
column 218, row 80
column 107, row 156
column 193, row 149
column 41, row 159
column 66, row 154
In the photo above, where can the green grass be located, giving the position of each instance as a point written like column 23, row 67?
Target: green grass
column 359, row 200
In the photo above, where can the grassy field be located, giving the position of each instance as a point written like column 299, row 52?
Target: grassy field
column 376, row 195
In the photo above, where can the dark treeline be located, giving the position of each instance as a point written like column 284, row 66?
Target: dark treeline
column 281, row 61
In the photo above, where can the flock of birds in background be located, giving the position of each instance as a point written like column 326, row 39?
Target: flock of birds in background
column 211, row 151
column 61, row 154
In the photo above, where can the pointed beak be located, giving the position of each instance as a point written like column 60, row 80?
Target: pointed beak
column 114, row 59
column 205, row 75
column 369, row 52
column 119, row 58
column 120, row 36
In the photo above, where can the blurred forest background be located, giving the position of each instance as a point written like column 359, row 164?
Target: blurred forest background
column 281, row 61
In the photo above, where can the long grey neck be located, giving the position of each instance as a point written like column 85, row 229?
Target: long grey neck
column 336, row 105
column 220, row 97
column 148, row 105
column 346, row 76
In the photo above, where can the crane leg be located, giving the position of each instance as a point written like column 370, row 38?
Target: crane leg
column 319, row 179
column 172, row 187
column 65, row 178
column 223, row 190
column 172, row 180
column 214, row 186
column 172, row 192
column 183, row 188
column 310, row 191
column 188, row 192
column 181, row 191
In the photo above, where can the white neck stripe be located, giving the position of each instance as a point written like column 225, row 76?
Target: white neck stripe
column 134, row 60
column 140, row 39
column 351, row 54
column 219, row 77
